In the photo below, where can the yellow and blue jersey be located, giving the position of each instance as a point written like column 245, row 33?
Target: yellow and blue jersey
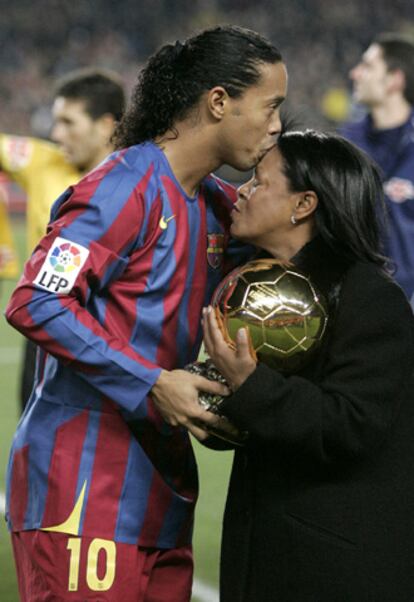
column 41, row 170
column 9, row 263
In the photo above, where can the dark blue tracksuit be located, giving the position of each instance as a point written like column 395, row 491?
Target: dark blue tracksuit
column 393, row 151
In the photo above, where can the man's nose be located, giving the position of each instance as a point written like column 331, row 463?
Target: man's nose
column 275, row 125
column 56, row 133
column 354, row 72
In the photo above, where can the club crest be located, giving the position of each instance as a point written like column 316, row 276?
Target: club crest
column 215, row 250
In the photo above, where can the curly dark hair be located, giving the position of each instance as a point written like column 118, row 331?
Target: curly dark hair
column 174, row 79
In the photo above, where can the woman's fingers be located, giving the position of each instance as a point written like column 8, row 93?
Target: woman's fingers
column 242, row 343
column 215, row 331
column 208, row 343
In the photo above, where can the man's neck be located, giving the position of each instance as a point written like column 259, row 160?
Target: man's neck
column 98, row 158
column 391, row 114
column 190, row 157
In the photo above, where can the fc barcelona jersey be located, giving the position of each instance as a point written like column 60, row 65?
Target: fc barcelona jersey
column 113, row 294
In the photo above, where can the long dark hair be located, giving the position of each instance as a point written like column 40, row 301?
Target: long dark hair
column 350, row 212
column 172, row 82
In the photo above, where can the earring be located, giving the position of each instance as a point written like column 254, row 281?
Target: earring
column 293, row 220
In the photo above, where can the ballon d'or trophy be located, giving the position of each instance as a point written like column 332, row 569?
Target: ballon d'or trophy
column 285, row 315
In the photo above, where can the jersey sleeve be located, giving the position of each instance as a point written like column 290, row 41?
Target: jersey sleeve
column 94, row 228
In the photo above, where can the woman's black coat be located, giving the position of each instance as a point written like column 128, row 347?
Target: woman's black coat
column 321, row 500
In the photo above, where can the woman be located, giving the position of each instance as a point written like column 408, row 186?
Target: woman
column 321, row 499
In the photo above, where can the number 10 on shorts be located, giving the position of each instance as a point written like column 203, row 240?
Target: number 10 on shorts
column 96, row 547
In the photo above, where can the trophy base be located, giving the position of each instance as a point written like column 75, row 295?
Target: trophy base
column 212, row 402
column 231, row 434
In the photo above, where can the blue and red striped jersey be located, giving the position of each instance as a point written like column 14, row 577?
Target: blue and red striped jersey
column 113, row 294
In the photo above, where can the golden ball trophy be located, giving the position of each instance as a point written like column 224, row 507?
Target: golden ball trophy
column 284, row 313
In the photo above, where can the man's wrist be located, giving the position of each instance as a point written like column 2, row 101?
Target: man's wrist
column 160, row 383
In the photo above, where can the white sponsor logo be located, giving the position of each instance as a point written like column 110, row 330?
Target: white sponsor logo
column 61, row 266
column 399, row 190
column 19, row 151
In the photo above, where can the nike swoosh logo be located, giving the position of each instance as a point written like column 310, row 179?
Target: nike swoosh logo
column 164, row 222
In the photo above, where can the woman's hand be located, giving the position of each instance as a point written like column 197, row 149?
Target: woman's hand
column 236, row 365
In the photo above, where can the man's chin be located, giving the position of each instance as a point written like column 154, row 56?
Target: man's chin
column 264, row 151
column 358, row 98
column 69, row 158
column 250, row 161
column 247, row 162
column 245, row 166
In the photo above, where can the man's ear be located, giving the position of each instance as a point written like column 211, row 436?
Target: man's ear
column 217, row 99
column 306, row 204
column 397, row 81
column 106, row 125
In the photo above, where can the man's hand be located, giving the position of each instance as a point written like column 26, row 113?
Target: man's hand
column 175, row 395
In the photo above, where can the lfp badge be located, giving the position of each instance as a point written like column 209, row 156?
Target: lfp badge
column 61, row 266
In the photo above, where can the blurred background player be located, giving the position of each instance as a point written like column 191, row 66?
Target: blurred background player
column 88, row 103
column 9, row 267
column 383, row 81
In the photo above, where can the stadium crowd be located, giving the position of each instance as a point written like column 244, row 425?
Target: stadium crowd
column 320, row 39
